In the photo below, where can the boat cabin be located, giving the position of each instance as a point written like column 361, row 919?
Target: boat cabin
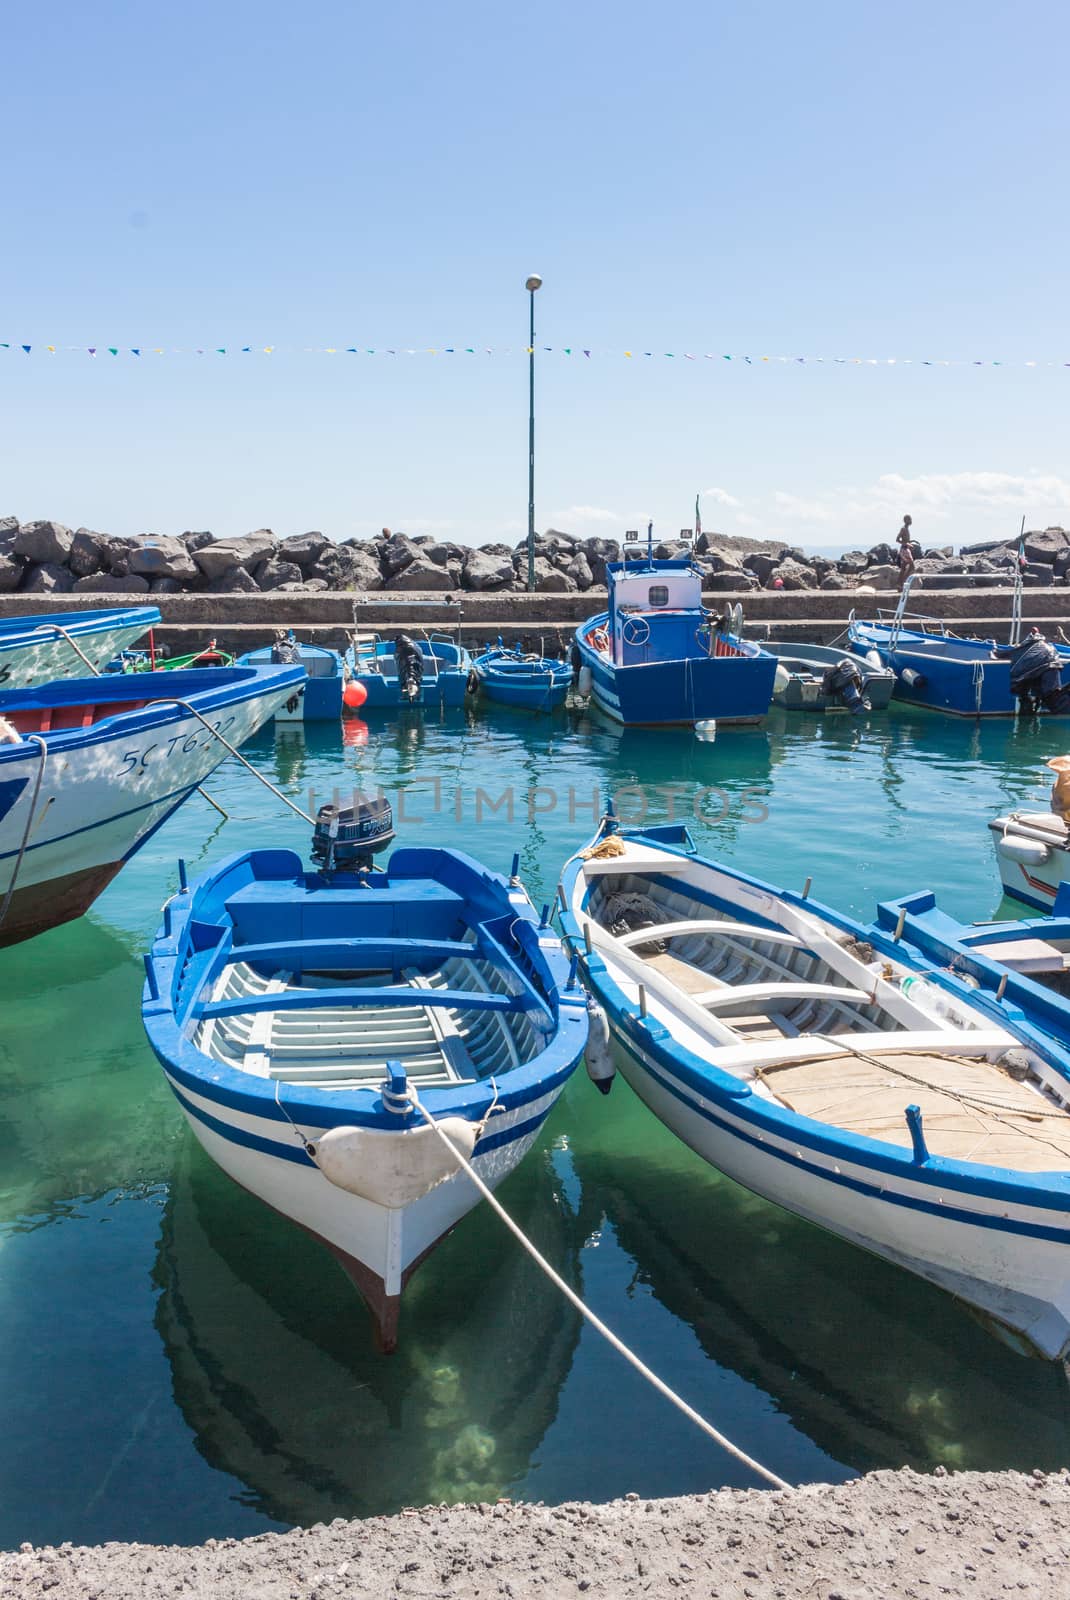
column 656, row 614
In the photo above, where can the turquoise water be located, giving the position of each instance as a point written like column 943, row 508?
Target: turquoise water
column 176, row 1362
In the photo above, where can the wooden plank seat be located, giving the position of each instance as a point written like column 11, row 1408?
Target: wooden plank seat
column 352, row 997
column 723, row 999
column 347, row 955
column 678, row 930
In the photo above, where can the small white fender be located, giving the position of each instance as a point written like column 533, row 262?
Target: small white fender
column 1030, row 852
column 599, row 1054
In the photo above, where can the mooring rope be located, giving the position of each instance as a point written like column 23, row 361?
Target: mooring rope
column 236, row 754
column 54, row 627
column 31, row 738
column 585, row 1311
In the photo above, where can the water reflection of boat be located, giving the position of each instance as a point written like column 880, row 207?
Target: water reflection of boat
column 876, row 1369
column 273, row 1375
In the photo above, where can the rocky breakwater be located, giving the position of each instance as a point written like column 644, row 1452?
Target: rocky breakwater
column 45, row 558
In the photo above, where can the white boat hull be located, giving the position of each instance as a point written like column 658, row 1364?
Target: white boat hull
column 1033, row 855
column 101, row 796
column 379, row 1247
column 1022, row 1284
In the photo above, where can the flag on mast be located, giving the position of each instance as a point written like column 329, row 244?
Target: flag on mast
column 698, row 519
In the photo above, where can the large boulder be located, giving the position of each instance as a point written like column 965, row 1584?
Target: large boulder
column 88, row 553
column 196, row 540
column 721, row 560
column 444, row 554
column 277, row 574
column 397, row 553
column 793, row 575
column 44, row 542
column 422, row 574
column 550, row 579
column 484, row 571
column 882, row 577
column 882, row 555
column 853, row 561
column 834, row 580
column 1045, row 546
column 303, row 549
column 47, row 578
column 1061, row 565
column 599, row 551
column 162, row 558
column 731, row 581
column 116, row 552
column 11, row 570
column 165, row 586
column 9, row 527
column 345, row 567
column 762, row 565
column 579, row 571
column 216, row 559
column 236, row 580
column 110, row 583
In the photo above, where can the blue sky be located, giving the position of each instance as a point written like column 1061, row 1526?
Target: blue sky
column 823, row 180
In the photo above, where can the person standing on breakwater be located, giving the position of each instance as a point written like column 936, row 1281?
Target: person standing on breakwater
column 905, row 542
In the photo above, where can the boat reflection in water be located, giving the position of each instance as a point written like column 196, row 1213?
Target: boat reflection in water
column 274, row 1374
column 875, row 1367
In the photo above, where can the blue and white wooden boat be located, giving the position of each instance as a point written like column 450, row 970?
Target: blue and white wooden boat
column 67, row 644
column 90, row 767
column 658, row 657
column 961, row 676
column 296, row 1013
column 1021, row 964
column 815, row 677
column 432, row 670
column 531, row 682
column 834, row 1072
column 321, row 698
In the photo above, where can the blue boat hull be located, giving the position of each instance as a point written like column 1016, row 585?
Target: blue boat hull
column 526, row 683
column 727, row 689
column 955, row 676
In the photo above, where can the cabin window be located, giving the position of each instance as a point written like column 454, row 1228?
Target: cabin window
column 658, row 594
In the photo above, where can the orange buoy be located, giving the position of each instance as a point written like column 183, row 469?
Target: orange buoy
column 354, row 694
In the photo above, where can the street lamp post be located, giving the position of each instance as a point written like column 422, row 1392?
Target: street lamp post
column 533, row 283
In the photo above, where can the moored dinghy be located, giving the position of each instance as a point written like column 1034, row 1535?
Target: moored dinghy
column 300, row 1017
column 815, row 677
column 833, row 1072
column 513, row 678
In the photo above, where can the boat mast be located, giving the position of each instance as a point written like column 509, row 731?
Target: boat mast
column 1016, row 605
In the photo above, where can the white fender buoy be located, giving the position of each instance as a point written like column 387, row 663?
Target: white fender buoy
column 1030, row 852
column 599, row 1053
column 874, row 659
column 781, row 678
column 706, row 729
column 585, row 682
column 393, row 1167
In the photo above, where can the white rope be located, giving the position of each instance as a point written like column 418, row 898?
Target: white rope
column 54, row 627
column 585, row 1311
column 31, row 738
column 230, row 748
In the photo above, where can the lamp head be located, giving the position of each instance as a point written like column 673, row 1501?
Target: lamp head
column 533, row 283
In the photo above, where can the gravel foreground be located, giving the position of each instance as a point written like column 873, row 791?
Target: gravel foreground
column 985, row 1535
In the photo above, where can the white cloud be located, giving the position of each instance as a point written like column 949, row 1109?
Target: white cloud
column 584, row 515
column 721, row 497
column 987, row 489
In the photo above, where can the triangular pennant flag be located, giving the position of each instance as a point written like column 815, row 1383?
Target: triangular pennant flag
column 246, row 349
column 92, row 349
column 220, row 349
column 351, row 350
column 27, row 348
column 134, row 351
column 586, row 352
column 568, row 349
column 51, row 349
column 113, row 349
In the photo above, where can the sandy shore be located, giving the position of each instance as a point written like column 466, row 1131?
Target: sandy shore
column 985, row 1535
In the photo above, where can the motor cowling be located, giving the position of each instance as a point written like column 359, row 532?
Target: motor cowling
column 410, row 666
column 844, row 682
column 1036, row 678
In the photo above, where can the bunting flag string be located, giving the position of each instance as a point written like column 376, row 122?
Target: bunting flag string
column 584, row 353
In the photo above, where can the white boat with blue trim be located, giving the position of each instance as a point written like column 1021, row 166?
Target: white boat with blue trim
column 834, row 1072
column 67, row 644
column 90, row 767
column 307, row 1021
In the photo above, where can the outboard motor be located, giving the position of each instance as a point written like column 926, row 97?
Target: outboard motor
column 410, row 665
column 843, row 682
column 1036, row 680
column 345, row 840
column 285, row 652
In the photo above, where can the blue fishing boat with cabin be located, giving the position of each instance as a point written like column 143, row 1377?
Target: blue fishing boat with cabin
column 964, row 677
column 314, row 1024
column 836, row 1072
column 513, row 678
column 658, row 657
column 321, row 698
column 66, row 644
